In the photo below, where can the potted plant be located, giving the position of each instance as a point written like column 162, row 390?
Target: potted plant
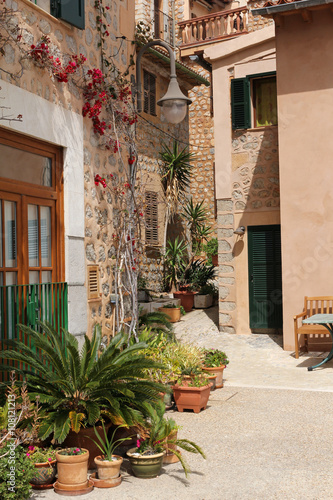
column 172, row 311
column 192, row 393
column 44, row 460
column 108, row 464
column 79, row 387
column 172, row 443
column 211, row 249
column 72, row 464
column 158, row 439
column 215, row 362
column 205, row 296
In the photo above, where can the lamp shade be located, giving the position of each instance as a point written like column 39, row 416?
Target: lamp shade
column 174, row 102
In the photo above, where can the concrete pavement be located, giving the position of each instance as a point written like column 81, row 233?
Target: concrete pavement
column 267, row 434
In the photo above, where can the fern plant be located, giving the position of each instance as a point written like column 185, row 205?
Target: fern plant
column 78, row 388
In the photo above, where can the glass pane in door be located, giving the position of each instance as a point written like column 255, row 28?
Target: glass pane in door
column 33, row 247
column 10, row 231
column 45, row 235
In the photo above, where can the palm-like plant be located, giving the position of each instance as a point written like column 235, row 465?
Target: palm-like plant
column 77, row 388
column 161, row 432
column 176, row 173
column 175, row 262
column 196, row 216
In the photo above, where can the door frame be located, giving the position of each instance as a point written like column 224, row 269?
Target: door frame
column 41, row 194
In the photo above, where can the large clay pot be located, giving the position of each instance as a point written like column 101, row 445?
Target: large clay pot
column 191, row 398
column 218, row 371
column 72, row 471
column 45, row 473
column 147, row 466
column 186, row 299
column 108, row 470
column 173, row 313
column 82, row 439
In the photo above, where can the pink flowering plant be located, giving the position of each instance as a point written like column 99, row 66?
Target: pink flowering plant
column 41, row 455
column 72, row 451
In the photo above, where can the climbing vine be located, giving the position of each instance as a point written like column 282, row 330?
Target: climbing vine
column 108, row 102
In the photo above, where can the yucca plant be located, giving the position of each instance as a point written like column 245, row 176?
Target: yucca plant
column 78, row 388
column 175, row 262
column 196, row 216
column 176, row 174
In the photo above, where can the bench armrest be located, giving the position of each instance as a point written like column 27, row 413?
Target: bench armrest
column 300, row 315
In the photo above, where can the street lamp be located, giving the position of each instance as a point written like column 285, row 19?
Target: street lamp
column 174, row 103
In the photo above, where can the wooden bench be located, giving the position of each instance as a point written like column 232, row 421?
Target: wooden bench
column 312, row 305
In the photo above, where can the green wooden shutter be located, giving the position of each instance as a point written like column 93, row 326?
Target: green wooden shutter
column 71, row 11
column 240, row 103
column 149, row 86
column 265, row 277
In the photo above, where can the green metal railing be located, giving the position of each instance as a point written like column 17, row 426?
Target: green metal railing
column 26, row 304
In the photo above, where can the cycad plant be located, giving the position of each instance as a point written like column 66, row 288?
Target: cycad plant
column 161, row 432
column 176, row 174
column 78, row 388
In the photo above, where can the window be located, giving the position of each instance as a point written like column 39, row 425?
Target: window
column 71, row 11
column 149, row 86
column 151, row 218
column 253, row 101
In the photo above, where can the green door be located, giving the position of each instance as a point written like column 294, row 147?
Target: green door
column 265, row 277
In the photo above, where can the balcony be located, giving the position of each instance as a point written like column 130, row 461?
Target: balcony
column 213, row 27
column 163, row 27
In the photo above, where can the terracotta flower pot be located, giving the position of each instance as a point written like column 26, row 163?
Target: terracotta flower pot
column 191, row 398
column 147, row 466
column 108, row 470
column 82, row 440
column 170, row 457
column 45, row 473
column 186, row 299
column 172, row 312
column 218, row 371
column 212, row 380
column 215, row 260
column 72, row 471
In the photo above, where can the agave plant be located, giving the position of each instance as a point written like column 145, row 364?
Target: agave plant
column 78, row 388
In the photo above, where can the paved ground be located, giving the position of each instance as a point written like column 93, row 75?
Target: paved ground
column 267, row 434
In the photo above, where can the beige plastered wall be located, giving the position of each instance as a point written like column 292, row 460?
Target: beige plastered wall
column 247, row 184
column 305, row 106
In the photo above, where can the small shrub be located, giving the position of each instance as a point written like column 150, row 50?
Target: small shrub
column 16, row 471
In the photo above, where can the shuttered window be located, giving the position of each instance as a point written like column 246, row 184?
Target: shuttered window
column 71, row 11
column 240, row 103
column 149, row 86
column 151, row 218
column 259, row 92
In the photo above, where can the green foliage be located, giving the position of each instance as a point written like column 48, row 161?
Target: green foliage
column 195, row 380
column 197, row 273
column 72, row 451
column 214, row 358
column 41, row 455
column 209, row 289
column 160, row 431
column 176, row 173
column 108, row 446
column 76, row 388
column 16, row 470
column 182, row 311
column 211, row 247
column 175, row 262
column 196, row 216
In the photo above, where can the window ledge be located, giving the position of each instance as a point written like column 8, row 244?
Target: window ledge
column 60, row 22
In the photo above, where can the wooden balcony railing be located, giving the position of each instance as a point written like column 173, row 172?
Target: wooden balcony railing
column 216, row 26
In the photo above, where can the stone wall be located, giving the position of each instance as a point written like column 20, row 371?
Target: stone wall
column 257, row 22
column 255, row 165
